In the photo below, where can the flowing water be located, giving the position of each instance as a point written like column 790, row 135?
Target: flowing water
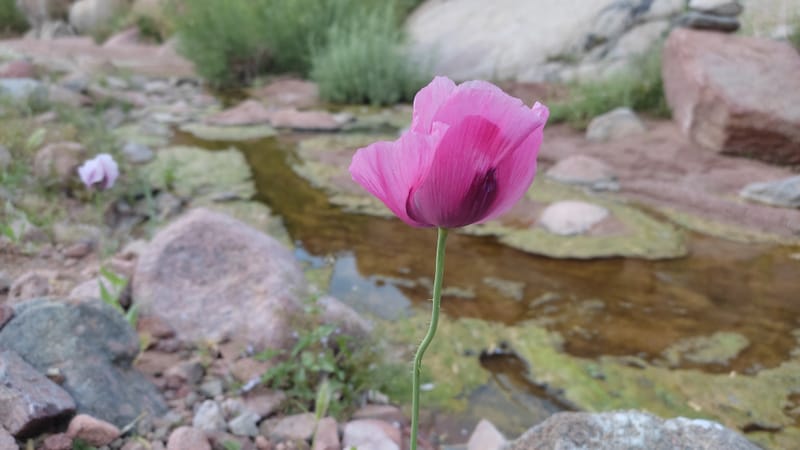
column 600, row 307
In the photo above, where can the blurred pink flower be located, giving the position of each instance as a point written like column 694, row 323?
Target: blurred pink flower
column 468, row 157
column 102, row 170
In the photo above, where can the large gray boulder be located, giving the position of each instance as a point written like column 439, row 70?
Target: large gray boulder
column 93, row 347
column 631, row 430
column 535, row 40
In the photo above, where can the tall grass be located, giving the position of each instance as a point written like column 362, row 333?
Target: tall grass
column 640, row 88
column 232, row 41
column 11, row 19
column 224, row 39
column 364, row 62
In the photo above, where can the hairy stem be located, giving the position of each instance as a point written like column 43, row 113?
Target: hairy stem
column 437, row 299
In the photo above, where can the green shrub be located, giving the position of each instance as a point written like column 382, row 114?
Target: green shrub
column 365, row 62
column 640, row 88
column 11, row 19
column 225, row 40
column 232, row 41
column 794, row 38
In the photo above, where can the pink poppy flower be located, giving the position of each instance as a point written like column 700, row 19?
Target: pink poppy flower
column 468, row 157
column 101, row 170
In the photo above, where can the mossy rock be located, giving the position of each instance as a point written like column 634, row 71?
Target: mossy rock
column 228, row 133
column 193, row 172
column 140, row 135
column 719, row 348
column 643, row 237
column 323, row 161
column 729, row 231
column 607, row 383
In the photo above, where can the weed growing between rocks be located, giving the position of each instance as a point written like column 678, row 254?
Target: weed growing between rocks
column 364, row 62
column 639, row 88
column 326, row 370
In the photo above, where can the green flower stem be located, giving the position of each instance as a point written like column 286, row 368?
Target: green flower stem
column 437, row 299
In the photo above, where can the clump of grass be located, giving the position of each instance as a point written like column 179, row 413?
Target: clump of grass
column 231, row 45
column 11, row 19
column 226, row 42
column 365, row 62
column 794, row 38
column 640, row 88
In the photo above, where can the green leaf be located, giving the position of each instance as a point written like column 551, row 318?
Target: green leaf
column 113, row 278
column 36, row 139
column 132, row 316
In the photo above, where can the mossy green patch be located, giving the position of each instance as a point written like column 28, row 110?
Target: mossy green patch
column 602, row 384
column 719, row 348
column 729, row 231
column 643, row 236
column 193, row 172
column 323, row 161
column 228, row 133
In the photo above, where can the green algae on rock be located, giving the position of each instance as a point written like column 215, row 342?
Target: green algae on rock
column 228, row 133
column 607, row 383
column 185, row 171
column 323, row 161
column 729, row 231
column 638, row 234
column 719, row 348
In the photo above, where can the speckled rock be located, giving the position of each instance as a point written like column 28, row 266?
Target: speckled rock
column 630, row 430
column 94, row 347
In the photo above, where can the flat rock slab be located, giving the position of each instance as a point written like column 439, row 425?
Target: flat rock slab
column 69, row 52
column 93, row 347
column 629, row 430
column 735, row 94
column 29, row 401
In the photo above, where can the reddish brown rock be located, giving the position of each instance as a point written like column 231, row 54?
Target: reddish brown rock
column 265, row 403
column 188, row 438
column 734, row 94
column 307, row 120
column 369, row 433
column 28, row 400
column 248, row 112
column 297, row 427
column 19, row 68
column 94, row 431
column 288, row 93
column 327, row 435
column 58, row 441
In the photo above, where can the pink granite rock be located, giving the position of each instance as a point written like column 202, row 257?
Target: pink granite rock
column 734, row 94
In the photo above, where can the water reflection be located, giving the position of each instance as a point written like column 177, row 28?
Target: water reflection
column 604, row 307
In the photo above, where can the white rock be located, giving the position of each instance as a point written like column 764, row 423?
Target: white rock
column 371, row 434
column 245, row 425
column 209, row 417
column 615, row 124
column 570, row 217
column 586, row 171
column 486, row 437
column 785, row 192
